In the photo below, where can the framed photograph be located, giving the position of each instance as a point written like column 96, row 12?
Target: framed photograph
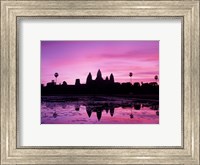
column 100, row 82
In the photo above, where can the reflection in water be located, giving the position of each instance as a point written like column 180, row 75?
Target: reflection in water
column 77, row 107
column 99, row 111
column 137, row 106
column 89, row 111
column 131, row 115
column 55, row 114
column 112, row 111
column 154, row 107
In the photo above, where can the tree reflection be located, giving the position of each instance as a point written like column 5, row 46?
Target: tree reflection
column 77, row 107
column 131, row 115
column 55, row 114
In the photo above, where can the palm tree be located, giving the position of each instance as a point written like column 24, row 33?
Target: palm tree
column 156, row 78
column 130, row 75
column 56, row 75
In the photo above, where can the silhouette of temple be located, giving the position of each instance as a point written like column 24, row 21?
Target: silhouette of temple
column 99, row 86
column 99, row 79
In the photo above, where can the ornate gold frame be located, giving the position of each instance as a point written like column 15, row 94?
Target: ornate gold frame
column 188, row 10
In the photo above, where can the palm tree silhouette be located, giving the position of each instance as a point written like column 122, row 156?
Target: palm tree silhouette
column 56, row 75
column 156, row 78
column 130, row 75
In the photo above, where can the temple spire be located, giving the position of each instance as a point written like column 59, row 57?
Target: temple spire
column 99, row 75
column 112, row 78
column 89, row 78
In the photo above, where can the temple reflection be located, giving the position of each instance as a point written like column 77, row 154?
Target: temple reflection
column 137, row 106
column 112, row 109
column 99, row 114
column 98, row 107
column 89, row 111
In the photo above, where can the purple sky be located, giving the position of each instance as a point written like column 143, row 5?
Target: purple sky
column 75, row 59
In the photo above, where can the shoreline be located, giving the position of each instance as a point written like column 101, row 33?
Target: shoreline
column 131, row 96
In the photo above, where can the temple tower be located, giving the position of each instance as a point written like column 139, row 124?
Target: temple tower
column 77, row 82
column 99, row 76
column 112, row 78
column 89, row 78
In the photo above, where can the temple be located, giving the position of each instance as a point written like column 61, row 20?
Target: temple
column 99, row 85
column 99, row 79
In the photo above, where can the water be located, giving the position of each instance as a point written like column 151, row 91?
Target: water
column 98, row 110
